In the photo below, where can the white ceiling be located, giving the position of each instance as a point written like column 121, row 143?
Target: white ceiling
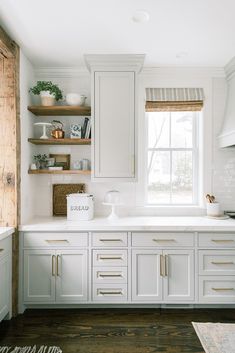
column 59, row 32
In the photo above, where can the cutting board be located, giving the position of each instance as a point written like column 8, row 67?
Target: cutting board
column 60, row 191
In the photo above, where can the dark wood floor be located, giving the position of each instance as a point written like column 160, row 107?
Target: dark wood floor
column 111, row 330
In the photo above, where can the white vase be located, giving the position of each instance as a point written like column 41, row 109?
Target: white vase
column 47, row 99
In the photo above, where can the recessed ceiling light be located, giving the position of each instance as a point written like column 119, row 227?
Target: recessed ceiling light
column 140, row 16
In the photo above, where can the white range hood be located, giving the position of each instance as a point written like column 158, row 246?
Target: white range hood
column 227, row 135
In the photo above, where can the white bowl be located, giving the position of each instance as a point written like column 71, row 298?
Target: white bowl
column 75, row 99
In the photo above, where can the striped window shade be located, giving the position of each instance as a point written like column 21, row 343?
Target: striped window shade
column 174, row 99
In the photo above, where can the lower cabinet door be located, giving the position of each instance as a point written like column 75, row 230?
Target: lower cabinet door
column 146, row 279
column 4, row 285
column 178, row 275
column 71, row 276
column 39, row 276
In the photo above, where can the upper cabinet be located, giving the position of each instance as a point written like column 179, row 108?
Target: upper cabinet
column 114, row 115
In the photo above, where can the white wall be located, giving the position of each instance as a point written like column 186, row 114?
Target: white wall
column 28, row 184
column 218, row 165
column 223, row 178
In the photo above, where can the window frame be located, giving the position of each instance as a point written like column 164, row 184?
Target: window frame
column 195, row 162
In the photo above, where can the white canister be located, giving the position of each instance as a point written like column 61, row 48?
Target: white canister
column 80, row 207
column 213, row 209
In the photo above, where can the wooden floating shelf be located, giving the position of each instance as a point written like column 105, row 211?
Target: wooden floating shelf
column 65, row 141
column 59, row 110
column 46, row 171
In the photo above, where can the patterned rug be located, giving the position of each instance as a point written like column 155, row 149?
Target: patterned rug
column 30, row 349
column 216, row 338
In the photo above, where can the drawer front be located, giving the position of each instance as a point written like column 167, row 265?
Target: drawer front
column 109, row 275
column 34, row 240
column 110, row 293
column 222, row 240
column 160, row 240
column 114, row 239
column 217, row 262
column 217, row 289
column 110, row 258
column 5, row 246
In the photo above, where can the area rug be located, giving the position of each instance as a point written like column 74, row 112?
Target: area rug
column 30, row 349
column 216, row 338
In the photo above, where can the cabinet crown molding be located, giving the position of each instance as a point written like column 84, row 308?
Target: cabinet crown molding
column 133, row 62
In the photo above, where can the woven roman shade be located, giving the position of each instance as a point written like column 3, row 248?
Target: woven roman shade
column 174, row 99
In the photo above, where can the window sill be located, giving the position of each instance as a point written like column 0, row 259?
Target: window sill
column 149, row 210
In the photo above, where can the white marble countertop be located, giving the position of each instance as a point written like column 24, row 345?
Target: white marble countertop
column 5, row 232
column 60, row 224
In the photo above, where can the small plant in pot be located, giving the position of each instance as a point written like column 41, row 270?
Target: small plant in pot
column 40, row 161
column 48, row 92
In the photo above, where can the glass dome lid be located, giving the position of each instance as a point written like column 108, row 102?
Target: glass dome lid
column 112, row 197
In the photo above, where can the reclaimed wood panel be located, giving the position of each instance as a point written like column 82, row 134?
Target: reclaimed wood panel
column 10, row 147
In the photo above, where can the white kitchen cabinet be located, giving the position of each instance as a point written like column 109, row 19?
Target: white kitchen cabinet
column 123, row 267
column 5, row 277
column 4, row 286
column 114, row 115
column 114, row 125
column 178, row 281
column 146, row 276
column 55, row 276
column 216, row 264
column 71, row 276
column 39, row 276
column 163, row 275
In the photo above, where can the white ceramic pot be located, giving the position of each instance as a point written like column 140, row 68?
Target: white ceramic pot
column 75, row 99
column 213, row 209
column 47, row 99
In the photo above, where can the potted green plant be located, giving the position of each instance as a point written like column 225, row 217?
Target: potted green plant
column 40, row 161
column 48, row 92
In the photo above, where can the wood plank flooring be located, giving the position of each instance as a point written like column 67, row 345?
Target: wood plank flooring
column 111, row 330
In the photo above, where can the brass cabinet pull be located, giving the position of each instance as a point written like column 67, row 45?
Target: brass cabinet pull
column 57, row 265
column 161, row 266
column 110, row 258
column 222, row 289
column 53, row 265
column 109, row 275
column 164, row 240
column 51, row 241
column 110, row 292
column 110, row 240
column 166, row 265
column 222, row 240
column 222, row 263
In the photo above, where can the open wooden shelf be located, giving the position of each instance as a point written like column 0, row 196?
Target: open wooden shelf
column 46, row 171
column 65, row 141
column 59, row 110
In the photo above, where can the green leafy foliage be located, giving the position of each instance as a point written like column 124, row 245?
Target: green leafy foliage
column 47, row 86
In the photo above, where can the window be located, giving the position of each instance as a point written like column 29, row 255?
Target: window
column 172, row 155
